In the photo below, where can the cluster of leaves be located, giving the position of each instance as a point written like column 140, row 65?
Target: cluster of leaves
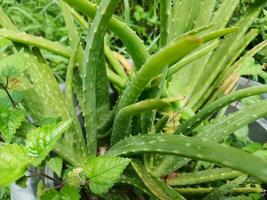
column 176, row 98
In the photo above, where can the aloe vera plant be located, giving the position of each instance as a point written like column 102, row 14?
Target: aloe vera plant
column 166, row 134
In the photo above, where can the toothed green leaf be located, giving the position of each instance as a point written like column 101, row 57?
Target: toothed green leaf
column 192, row 147
column 42, row 140
column 223, row 190
column 55, row 164
column 104, row 171
column 10, row 121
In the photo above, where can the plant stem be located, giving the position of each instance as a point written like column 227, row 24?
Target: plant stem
column 4, row 87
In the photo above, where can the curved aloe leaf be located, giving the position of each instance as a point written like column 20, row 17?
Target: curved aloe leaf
column 156, row 186
column 195, row 148
column 133, row 43
column 192, row 57
column 218, row 104
column 165, row 21
column 203, row 191
column 139, row 107
column 92, row 62
column 173, row 52
column 218, row 193
column 40, row 42
column 69, row 96
column 205, row 176
column 220, row 128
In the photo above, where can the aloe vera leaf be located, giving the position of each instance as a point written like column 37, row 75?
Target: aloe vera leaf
column 102, row 91
column 135, row 181
column 92, row 62
column 43, row 99
column 149, row 117
column 219, row 129
column 205, row 176
column 174, row 51
column 133, row 43
column 184, row 82
column 192, row 57
column 5, row 21
column 161, row 123
column 234, row 68
column 70, row 101
column 115, row 79
column 172, row 160
column 218, row 104
column 184, row 14
column 216, row 131
column 218, row 193
column 40, row 42
column 165, row 21
column 139, row 107
column 205, row 12
column 72, row 31
column 118, row 68
column 79, row 18
column 200, row 191
column 225, row 11
column 195, row 148
column 217, row 62
column 156, row 186
column 218, row 81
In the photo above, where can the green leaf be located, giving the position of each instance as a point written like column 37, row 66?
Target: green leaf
column 42, row 140
column 104, row 171
column 156, row 187
column 206, row 176
column 55, row 164
column 13, row 163
column 50, row 195
column 69, row 193
column 11, row 120
column 249, row 67
column 223, row 190
column 13, row 65
column 193, row 147
column 66, row 193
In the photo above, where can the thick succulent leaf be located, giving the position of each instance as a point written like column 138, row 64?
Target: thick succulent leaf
column 171, row 53
column 40, row 42
column 196, row 148
column 10, row 121
column 223, row 190
column 205, row 176
column 13, row 65
column 214, row 106
column 104, row 171
column 94, row 73
column 13, row 163
column 42, row 140
column 156, row 186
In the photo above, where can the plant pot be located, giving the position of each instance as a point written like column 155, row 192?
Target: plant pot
column 30, row 192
